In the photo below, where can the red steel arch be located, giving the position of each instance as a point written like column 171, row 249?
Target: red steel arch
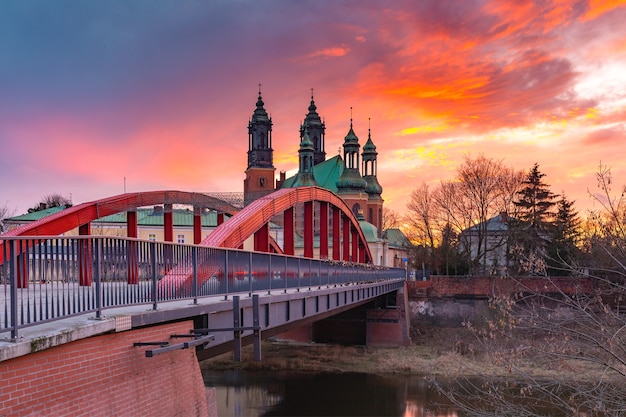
column 81, row 214
column 257, row 214
column 231, row 234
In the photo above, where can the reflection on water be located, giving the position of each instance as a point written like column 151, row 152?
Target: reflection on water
column 240, row 393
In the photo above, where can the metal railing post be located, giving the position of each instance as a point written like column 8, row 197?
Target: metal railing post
column 298, row 274
column 194, row 279
column 13, row 280
column 250, row 274
column 97, row 260
column 153, row 265
column 270, row 276
column 226, row 274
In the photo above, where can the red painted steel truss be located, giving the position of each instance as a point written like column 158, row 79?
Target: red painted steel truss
column 253, row 220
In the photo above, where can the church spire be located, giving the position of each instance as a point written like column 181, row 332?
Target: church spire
column 317, row 130
column 351, row 180
column 260, row 172
column 305, row 175
column 260, row 152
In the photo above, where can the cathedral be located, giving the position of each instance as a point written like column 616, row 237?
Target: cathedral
column 353, row 177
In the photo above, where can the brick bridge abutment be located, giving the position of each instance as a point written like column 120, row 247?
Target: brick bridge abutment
column 106, row 375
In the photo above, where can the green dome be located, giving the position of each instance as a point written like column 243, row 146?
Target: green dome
column 373, row 186
column 369, row 231
column 369, row 146
column 351, row 137
column 351, row 179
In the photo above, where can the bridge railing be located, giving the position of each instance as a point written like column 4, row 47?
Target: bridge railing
column 48, row 278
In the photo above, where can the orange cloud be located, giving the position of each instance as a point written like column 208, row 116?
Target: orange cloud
column 599, row 7
column 335, row 51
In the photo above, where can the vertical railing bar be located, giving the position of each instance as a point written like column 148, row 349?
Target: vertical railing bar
column 310, row 274
column 286, row 273
column 226, row 273
column 13, row 281
column 194, row 283
column 250, row 274
column 298, row 290
column 153, row 265
column 40, row 277
column 96, row 244
column 270, row 275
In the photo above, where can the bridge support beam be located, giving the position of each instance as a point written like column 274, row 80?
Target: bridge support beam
column 336, row 233
column 168, row 223
column 308, row 229
column 85, row 264
column 289, row 246
column 262, row 239
column 132, row 248
column 355, row 246
column 197, row 225
column 346, row 238
column 131, row 223
column 323, row 230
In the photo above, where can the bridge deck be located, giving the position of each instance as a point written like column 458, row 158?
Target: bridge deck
column 280, row 307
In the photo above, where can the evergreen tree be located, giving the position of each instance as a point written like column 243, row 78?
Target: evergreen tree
column 563, row 251
column 531, row 229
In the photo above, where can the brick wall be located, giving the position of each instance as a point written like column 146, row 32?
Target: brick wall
column 105, row 376
column 483, row 287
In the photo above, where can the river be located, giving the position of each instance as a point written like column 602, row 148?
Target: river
column 251, row 394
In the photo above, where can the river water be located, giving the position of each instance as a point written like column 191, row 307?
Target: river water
column 251, row 394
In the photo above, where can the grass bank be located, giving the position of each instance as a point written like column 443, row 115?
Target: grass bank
column 440, row 352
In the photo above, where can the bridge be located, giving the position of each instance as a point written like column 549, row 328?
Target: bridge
column 78, row 310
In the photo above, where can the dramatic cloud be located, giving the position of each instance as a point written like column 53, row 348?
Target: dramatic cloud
column 157, row 94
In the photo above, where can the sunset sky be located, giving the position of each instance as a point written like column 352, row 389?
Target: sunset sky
column 96, row 96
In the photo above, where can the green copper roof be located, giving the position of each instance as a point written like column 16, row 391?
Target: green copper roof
column 351, row 179
column 369, row 231
column 396, row 238
column 351, row 137
column 369, row 147
column 37, row 215
column 326, row 174
column 145, row 217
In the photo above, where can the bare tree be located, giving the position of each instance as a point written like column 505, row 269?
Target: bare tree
column 51, row 200
column 576, row 323
column 483, row 189
column 422, row 217
column 5, row 212
column 391, row 219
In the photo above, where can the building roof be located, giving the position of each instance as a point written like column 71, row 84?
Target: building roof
column 369, row 231
column 495, row 224
column 35, row 215
column 145, row 217
column 396, row 239
column 326, row 174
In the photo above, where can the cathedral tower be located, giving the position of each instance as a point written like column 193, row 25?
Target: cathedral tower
column 260, row 172
column 317, row 129
column 374, row 213
column 350, row 185
column 305, row 177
